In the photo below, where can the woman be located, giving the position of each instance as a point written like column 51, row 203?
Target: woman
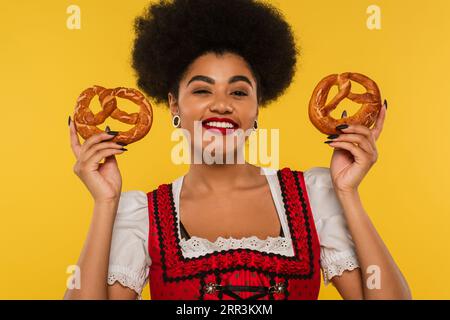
column 226, row 231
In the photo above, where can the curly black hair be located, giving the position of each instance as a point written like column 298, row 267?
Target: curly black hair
column 170, row 35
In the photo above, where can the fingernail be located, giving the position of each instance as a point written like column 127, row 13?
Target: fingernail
column 385, row 103
column 344, row 114
column 113, row 133
column 121, row 143
column 332, row 136
column 342, row 126
column 124, row 149
column 328, row 142
column 107, row 129
column 69, row 121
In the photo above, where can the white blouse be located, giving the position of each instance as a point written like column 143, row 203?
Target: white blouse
column 129, row 261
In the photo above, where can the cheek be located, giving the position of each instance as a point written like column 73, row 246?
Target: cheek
column 189, row 116
column 248, row 116
column 192, row 107
column 187, row 120
column 189, row 112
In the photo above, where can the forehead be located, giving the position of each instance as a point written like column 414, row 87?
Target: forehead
column 219, row 67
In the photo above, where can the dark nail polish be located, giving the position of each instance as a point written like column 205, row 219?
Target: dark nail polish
column 385, row 103
column 332, row 136
column 328, row 142
column 342, row 126
column 122, row 144
column 69, row 121
column 107, row 129
column 113, row 133
column 124, row 149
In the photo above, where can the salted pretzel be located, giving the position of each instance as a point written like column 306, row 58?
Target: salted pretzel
column 319, row 111
column 86, row 121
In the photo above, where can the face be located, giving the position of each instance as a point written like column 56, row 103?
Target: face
column 217, row 97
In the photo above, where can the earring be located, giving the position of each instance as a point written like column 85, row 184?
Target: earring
column 255, row 125
column 176, row 121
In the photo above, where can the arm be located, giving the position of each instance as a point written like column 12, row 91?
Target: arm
column 355, row 152
column 104, row 183
column 94, row 259
column 370, row 250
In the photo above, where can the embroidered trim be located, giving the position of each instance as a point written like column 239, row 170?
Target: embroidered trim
column 127, row 278
column 344, row 261
column 308, row 228
column 300, row 266
column 195, row 246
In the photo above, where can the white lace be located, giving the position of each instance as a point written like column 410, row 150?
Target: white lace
column 336, row 263
column 195, row 246
column 127, row 278
column 332, row 263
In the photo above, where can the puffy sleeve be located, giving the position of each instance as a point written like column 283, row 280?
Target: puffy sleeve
column 129, row 261
column 337, row 249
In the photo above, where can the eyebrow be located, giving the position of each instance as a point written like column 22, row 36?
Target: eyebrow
column 211, row 81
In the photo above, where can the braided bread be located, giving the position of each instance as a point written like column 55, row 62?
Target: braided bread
column 319, row 112
column 86, row 121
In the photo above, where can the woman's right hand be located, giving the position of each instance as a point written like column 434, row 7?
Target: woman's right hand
column 103, row 180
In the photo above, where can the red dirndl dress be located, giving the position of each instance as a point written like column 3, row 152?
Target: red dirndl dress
column 240, row 274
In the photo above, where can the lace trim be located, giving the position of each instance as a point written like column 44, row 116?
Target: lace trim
column 128, row 278
column 336, row 264
column 305, row 245
column 196, row 246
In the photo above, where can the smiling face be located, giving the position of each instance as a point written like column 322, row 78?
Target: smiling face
column 220, row 92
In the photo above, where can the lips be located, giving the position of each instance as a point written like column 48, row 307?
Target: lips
column 222, row 125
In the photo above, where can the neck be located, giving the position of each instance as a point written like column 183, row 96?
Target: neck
column 220, row 177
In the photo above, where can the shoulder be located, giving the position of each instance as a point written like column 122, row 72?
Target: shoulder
column 132, row 195
column 322, row 196
column 315, row 177
column 131, row 223
column 164, row 187
column 132, row 204
column 318, row 177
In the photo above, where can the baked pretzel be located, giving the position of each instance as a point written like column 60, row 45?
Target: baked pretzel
column 86, row 122
column 319, row 112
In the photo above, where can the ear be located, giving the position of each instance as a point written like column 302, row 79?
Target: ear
column 173, row 104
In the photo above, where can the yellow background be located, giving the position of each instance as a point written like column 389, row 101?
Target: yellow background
column 46, row 211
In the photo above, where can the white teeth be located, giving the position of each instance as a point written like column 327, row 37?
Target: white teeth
column 220, row 124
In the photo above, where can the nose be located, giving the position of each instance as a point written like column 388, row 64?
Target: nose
column 221, row 105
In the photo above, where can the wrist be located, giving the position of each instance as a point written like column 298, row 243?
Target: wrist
column 348, row 193
column 348, row 196
column 106, row 209
column 350, row 201
column 106, row 203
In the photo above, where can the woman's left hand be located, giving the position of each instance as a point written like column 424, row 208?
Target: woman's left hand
column 350, row 163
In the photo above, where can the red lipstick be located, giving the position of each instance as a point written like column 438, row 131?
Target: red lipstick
column 222, row 125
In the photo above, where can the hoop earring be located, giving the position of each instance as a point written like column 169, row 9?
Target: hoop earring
column 255, row 125
column 176, row 121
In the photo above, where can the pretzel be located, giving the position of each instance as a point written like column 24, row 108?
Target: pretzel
column 86, row 121
column 319, row 112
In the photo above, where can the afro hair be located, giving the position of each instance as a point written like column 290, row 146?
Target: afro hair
column 170, row 35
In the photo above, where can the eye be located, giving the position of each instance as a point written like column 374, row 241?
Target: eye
column 201, row 92
column 241, row 93
column 238, row 93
